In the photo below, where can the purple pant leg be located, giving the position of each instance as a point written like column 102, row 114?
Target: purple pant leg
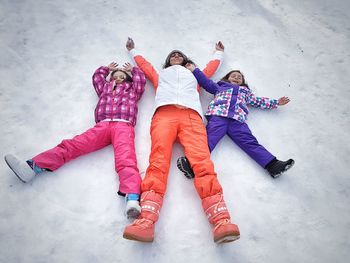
column 216, row 129
column 243, row 137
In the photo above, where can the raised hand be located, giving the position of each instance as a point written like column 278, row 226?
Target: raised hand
column 113, row 66
column 130, row 44
column 219, row 46
column 127, row 67
column 190, row 66
column 283, row 101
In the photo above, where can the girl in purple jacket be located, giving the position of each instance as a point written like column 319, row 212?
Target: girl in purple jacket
column 227, row 114
column 115, row 117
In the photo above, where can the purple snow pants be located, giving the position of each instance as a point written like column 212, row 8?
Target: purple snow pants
column 240, row 133
column 120, row 134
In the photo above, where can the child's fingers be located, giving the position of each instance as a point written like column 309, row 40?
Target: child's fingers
column 189, row 66
column 113, row 65
column 127, row 66
column 283, row 101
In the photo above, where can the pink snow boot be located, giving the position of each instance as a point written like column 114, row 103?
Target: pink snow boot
column 215, row 209
column 143, row 228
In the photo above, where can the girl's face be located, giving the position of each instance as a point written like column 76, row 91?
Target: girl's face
column 235, row 78
column 119, row 77
column 176, row 59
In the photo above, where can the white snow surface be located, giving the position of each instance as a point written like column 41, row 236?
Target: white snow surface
column 301, row 49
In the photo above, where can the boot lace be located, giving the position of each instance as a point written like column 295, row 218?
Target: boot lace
column 146, row 193
column 143, row 223
column 218, row 203
column 221, row 223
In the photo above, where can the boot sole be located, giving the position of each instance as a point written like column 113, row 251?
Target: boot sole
column 226, row 239
column 14, row 172
column 187, row 175
column 285, row 170
column 137, row 238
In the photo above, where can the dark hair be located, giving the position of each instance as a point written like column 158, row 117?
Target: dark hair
column 225, row 78
column 127, row 78
column 186, row 59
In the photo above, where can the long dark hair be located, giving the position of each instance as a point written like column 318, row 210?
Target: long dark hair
column 127, row 78
column 225, row 78
column 186, row 59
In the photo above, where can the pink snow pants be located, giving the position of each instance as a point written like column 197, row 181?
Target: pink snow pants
column 120, row 134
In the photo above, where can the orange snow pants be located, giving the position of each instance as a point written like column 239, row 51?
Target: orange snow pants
column 169, row 124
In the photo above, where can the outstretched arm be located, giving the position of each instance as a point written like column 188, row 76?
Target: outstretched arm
column 216, row 61
column 262, row 102
column 100, row 75
column 203, row 81
column 143, row 64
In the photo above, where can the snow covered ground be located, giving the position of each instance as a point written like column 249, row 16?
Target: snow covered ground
column 301, row 49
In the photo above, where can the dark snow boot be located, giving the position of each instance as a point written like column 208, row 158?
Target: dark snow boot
column 184, row 166
column 277, row 167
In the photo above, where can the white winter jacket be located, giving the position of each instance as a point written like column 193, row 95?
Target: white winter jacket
column 176, row 85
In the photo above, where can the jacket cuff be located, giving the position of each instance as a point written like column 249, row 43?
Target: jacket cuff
column 196, row 71
column 218, row 55
column 133, row 53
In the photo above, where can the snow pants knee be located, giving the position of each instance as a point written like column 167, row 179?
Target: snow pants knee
column 170, row 124
column 240, row 134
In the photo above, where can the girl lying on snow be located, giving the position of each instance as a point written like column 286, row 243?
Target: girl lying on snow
column 115, row 117
column 178, row 117
column 227, row 114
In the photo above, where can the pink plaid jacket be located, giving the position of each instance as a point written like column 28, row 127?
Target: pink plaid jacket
column 118, row 101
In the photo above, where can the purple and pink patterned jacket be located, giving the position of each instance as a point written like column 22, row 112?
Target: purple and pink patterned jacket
column 118, row 101
column 231, row 100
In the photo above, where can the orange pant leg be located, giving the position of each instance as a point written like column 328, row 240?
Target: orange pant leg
column 163, row 135
column 193, row 137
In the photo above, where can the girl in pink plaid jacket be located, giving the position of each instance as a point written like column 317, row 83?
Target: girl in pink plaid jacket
column 115, row 117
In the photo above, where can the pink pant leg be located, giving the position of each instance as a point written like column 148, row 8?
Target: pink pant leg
column 89, row 141
column 123, row 136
